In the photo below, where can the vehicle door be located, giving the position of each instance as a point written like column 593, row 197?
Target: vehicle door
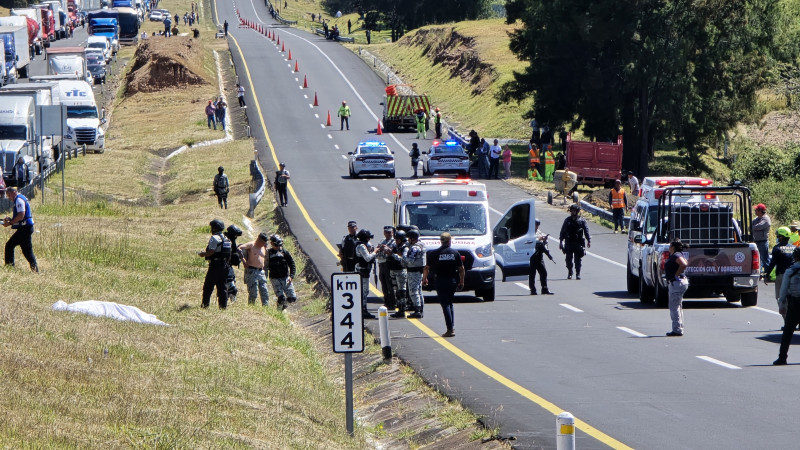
column 514, row 238
column 636, row 235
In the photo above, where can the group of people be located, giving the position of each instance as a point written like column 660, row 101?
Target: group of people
column 537, row 155
column 188, row 18
column 216, row 110
column 488, row 157
column 264, row 258
column 403, row 266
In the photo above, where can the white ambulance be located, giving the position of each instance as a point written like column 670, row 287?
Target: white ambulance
column 461, row 208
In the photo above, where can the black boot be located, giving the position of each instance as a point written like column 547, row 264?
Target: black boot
column 546, row 291
column 569, row 275
column 417, row 314
column 367, row 314
column 533, row 292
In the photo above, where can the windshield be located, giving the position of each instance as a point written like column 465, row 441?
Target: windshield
column 448, row 150
column 81, row 112
column 459, row 219
column 100, row 45
column 374, row 151
column 12, row 132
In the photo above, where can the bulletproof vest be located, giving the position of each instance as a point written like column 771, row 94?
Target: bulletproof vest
column 236, row 256
column 416, row 255
column 349, row 247
column 785, row 259
column 223, row 252
column 575, row 229
column 399, row 250
column 361, row 264
column 277, row 261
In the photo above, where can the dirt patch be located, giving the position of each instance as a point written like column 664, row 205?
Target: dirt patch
column 777, row 128
column 599, row 198
column 162, row 63
column 457, row 53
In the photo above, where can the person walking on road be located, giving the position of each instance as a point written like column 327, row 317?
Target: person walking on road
column 537, row 262
column 240, row 95
column 344, row 116
column 437, row 122
column 494, row 160
column 21, row 220
column 619, row 204
column 447, row 266
column 414, row 158
column 221, row 187
column 211, row 114
column 789, row 306
column 573, row 239
column 761, row 226
column 282, row 270
column 218, row 254
column 281, row 184
column 781, row 259
column 255, row 276
column 678, row 284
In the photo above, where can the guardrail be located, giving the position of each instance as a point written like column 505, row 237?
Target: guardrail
column 277, row 16
column 259, row 181
column 321, row 32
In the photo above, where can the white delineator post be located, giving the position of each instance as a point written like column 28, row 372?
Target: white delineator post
column 565, row 431
column 383, row 325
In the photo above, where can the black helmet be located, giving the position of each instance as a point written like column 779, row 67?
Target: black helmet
column 412, row 234
column 574, row 207
column 221, row 169
column 216, row 225
column 233, row 231
column 364, row 235
column 538, row 222
column 400, row 234
column 275, row 239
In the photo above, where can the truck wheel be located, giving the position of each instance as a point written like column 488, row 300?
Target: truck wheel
column 633, row 281
column 749, row 299
column 23, row 73
column 661, row 295
column 576, row 198
column 487, row 294
column 732, row 297
column 646, row 294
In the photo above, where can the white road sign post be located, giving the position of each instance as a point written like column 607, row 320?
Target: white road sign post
column 348, row 329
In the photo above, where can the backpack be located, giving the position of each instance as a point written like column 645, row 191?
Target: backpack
column 221, row 184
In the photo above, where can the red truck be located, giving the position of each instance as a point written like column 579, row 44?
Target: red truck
column 595, row 163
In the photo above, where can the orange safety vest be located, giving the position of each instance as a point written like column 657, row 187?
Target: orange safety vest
column 617, row 198
column 534, row 156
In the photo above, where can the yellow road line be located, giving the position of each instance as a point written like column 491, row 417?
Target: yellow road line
column 550, row 407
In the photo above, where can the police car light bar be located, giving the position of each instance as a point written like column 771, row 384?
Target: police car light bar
column 372, row 144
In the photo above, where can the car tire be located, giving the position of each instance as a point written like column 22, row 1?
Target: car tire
column 732, row 297
column 646, row 293
column 486, row 294
column 391, row 175
column 633, row 281
column 749, row 299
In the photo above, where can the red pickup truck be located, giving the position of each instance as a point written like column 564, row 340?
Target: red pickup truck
column 595, row 163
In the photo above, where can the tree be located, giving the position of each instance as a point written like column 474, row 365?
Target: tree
column 668, row 69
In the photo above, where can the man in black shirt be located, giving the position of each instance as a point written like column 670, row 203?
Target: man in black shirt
column 448, row 269
column 571, row 240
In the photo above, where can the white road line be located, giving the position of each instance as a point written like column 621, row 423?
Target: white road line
column 633, row 332
column 336, row 146
column 374, row 188
column 296, row 79
column 311, row 106
column 570, row 307
column 523, row 286
column 305, row 95
column 330, row 137
column 316, row 115
column 344, row 157
column 387, row 200
column 719, row 363
column 766, row 310
column 322, row 125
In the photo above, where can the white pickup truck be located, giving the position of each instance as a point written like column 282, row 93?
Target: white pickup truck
column 715, row 223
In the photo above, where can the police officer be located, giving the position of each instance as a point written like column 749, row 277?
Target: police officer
column 789, row 306
column 384, row 249
column 347, row 249
column 399, row 273
column 437, row 122
column 221, row 187
column 21, row 220
column 573, row 238
column 415, row 153
column 781, row 258
column 414, row 262
column 537, row 262
column 365, row 257
column 232, row 233
column 281, row 271
column 447, row 266
column 218, row 254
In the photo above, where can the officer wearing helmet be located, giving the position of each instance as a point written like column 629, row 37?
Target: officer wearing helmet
column 537, row 262
column 398, row 272
column 414, row 262
column 218, row 254
column 281, row 271
column 573, row 239
column 221, row 187
column 365, row 261
column 789, row 306
column 781, row 258
column 384, row 249
column 281, row 183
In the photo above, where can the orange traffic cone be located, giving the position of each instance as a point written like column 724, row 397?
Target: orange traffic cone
column 296, row 68
column 328, row 123
column 305, row 82
column 279, row 40
column 379, row 132
column 283, row 47
column 316, row 103
column 290, row 54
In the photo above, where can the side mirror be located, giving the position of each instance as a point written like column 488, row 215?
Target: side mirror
column 349, row 153
column 501, row 235
column 638, row 239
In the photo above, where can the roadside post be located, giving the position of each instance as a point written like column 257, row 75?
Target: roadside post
column 565, row 431
column 348, row 329
column 383, row 325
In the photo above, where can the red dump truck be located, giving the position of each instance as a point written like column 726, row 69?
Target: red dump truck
column 595, row 163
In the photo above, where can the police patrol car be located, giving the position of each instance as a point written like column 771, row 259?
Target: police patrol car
column 445, row 157
column 371, row 157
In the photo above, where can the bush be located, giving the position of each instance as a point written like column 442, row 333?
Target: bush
column 781, row 197
column 754, row 164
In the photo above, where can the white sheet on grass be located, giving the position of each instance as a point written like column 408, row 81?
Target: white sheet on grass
column 109, row 309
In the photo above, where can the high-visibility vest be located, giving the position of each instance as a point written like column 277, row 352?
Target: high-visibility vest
column 549, row 159
column 534, row 156
column 794, row 239
column 617, row 198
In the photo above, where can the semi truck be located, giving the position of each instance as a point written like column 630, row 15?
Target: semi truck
column 17, row 51
column 18, row 136
column 42, row 95
column 128, row 19
column 68, row 60
column 105, row 23
column 84, row 122
column 595, row 163
column 48, row 24
column 59, row 17
column 34, row 24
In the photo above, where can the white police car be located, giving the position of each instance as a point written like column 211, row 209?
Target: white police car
column 445, row 157
column 371, row 157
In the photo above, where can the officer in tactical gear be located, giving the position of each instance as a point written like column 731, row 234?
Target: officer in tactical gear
column 281, row 272
column 365, row 261
column 232, row 233
column 384, row 274
column 221, row 187
column 537, row 262
column 218, row 254
column 399, row 273
column 414, row 262
column 574, row 239
column 347, row 249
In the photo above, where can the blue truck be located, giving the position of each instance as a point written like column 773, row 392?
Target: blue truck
column 105, row 23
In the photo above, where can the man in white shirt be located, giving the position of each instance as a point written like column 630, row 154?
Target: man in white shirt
column 633, row 182
column 494, row 160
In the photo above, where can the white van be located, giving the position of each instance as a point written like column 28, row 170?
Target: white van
column 103, row 44
column 84, row 123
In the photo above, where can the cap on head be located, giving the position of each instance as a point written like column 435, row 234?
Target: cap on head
column 761, row 207
column 538, row 222
column 275, row 239
column 263, row 236
column 574, row 207
column 445, row 237
column 617, row 182
column 784, row 232
column 388, row 228
column 352, row 223
column 216, row 225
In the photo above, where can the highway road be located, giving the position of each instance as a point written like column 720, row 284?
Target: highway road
column 591, row 349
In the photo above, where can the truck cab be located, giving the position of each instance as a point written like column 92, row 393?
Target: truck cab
column 107, row 27
column 18, row 136
column 84, row 122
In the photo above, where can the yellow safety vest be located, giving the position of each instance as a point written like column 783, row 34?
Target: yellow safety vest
column 549, row 159
column 617, row 198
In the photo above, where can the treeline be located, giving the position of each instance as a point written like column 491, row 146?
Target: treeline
column 399, row 16
column 670, row 71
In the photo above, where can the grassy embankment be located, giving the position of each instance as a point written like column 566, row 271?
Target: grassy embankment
column 243, row 377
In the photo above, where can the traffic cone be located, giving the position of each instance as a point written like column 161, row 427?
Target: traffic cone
column 283, row 47
column 279, row 40
column 290, row 54
column 305, row 82
column 379, row 132
column 296, row 67
column 316, row 103
column 328, row 123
